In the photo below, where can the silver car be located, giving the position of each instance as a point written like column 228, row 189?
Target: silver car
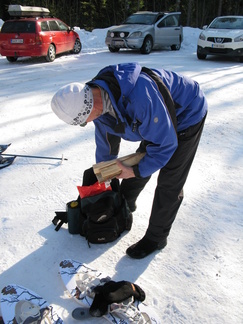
column 145, row 31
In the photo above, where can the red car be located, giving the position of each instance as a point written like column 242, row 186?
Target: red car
column 30, row 32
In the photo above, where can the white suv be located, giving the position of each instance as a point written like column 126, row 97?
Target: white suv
column 224, row 36
column 145, row 31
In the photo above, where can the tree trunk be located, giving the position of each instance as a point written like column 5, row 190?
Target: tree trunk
column 189, row 12
column 220, row 7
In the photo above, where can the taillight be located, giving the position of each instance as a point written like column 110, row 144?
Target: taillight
column 38, row 40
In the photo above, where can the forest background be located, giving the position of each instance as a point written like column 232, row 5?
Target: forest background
column 93, row 14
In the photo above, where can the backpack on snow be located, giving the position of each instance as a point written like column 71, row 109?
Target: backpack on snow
column 101, row 218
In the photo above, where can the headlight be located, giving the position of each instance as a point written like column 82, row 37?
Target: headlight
column 136, row 34
column 239, row 39
column 202, row 36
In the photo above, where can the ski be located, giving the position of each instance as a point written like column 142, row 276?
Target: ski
column 5, row 162
column 22, row 305
column 80, row 280
column 4, row 147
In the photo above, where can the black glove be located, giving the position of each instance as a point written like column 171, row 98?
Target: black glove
column 114, row 292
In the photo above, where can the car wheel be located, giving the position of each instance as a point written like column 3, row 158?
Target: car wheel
column 51, row 54
column 241, row 59
column 12, row 59
column 113, row 49
column 201, row 56
column 77, row 47
column 176, row 47
column 147, row 45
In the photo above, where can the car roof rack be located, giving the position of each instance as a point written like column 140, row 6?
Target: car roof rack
column 27, row 11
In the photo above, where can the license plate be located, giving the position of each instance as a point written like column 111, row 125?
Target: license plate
column 17, row 41
column 119, row 43
column 217, row 46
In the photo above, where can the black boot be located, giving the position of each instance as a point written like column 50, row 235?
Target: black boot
column 144, row 247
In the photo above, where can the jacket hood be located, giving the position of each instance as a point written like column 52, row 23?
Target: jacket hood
column 126, row 75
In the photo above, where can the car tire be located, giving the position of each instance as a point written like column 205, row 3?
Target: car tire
column 201, row 56
column 241, row 59
column 176, row 47
column 51, row 53
column 113, row 49
column 147, row 45
column 77, row 47
column 12, row 59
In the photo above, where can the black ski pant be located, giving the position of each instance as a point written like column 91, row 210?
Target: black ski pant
column 171, row 179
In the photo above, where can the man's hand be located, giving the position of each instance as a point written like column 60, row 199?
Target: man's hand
column 126, row 173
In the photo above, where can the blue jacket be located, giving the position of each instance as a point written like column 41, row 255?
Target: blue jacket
column 144, row 116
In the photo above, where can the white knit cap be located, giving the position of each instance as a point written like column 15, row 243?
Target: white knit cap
column 73, row 103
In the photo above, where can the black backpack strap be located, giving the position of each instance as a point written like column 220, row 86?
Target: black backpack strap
column 60, row 216
column 111, row 81
column 165, row 94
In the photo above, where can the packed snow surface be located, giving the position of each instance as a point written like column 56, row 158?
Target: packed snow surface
column 197, row 278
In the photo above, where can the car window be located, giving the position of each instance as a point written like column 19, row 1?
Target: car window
column 53, row 25
column 18, row 27
column 159, row 17
column 144, row 19
column 44, row 26
column 171, row 21
column 227, row 23
column 62, row 26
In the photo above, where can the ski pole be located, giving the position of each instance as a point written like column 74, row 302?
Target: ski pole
column 35, row 157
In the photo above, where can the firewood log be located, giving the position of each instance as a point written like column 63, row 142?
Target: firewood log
column 108, row 170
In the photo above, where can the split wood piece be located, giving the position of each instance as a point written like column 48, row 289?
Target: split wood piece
column 108, row 170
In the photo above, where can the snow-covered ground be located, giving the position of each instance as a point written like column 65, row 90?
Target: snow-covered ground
column 197, row 278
